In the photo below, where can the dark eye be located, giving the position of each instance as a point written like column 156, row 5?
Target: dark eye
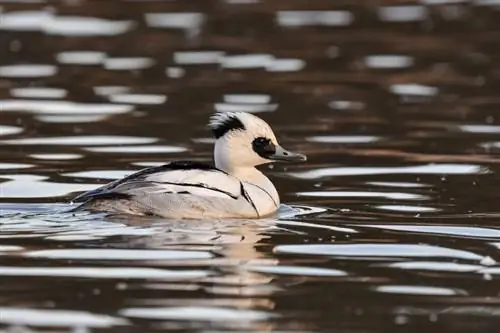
column 263, row 146
column 261, row 141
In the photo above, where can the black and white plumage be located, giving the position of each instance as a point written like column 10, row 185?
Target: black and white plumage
column 234, row 188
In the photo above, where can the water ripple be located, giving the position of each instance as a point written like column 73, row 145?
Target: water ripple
column 174, row 20
column 419, row 290
column 40, row 187
column 82, row 140
column 137, row 149
column 38, row 92
column 429, row 169
column 460, row 231
column 437, row 266
column 213, row 314
column 297, row 271
column 9, row 130
column 117, row 254
column 81, row 57
column 63, row 107
column 104, row 273
column 57, row 318
column 62, row 25
column 128, row 63
column 352, row 194
column 306, row 18
column 377, row 250
column 27, row 70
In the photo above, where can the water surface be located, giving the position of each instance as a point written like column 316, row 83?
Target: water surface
column 391, row 226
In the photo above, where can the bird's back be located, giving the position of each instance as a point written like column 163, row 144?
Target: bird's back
column 177, row 190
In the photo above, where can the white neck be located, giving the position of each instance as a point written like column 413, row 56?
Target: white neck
column 247, row 174
column 250, row 175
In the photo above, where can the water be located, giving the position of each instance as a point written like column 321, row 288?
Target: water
column 391, row 226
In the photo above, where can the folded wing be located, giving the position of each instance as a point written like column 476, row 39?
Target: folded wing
column 177, row 188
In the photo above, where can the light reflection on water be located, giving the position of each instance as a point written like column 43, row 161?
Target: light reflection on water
column 81, row 57
column 402, row 13
column 62, row 107
column 430, row 169
column 9, row 130
column 304, row 18
column 27, row 71
column 42, row 92
column 376, row 251
column 128, row 64
column 50, row 24
column 392, row 223
column 93, row 140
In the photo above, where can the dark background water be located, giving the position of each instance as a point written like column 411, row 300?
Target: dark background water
column 395, row 103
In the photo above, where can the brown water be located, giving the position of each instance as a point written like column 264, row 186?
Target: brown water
column 393, row 225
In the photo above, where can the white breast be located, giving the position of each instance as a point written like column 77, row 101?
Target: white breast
column 263, row 200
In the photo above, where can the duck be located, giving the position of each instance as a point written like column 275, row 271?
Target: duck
column 232, row 188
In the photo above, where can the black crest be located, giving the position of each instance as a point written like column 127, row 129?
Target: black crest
column 225, row 123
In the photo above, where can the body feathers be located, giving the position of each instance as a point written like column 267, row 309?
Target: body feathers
column 182, row 190
column 234, row 188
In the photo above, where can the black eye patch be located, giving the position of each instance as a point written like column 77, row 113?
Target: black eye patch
column 263, row 147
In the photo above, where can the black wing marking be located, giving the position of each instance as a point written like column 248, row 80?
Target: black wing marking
column 176, row 165
column 112, row 196
column 106, row 191
column 200, row 186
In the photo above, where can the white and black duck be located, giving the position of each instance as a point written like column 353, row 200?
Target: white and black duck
column 234, row 188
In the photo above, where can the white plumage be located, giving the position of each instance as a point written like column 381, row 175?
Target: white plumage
column 234, row 188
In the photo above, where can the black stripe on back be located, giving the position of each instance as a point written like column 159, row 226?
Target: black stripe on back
column 175, row 165
column 111, row 196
